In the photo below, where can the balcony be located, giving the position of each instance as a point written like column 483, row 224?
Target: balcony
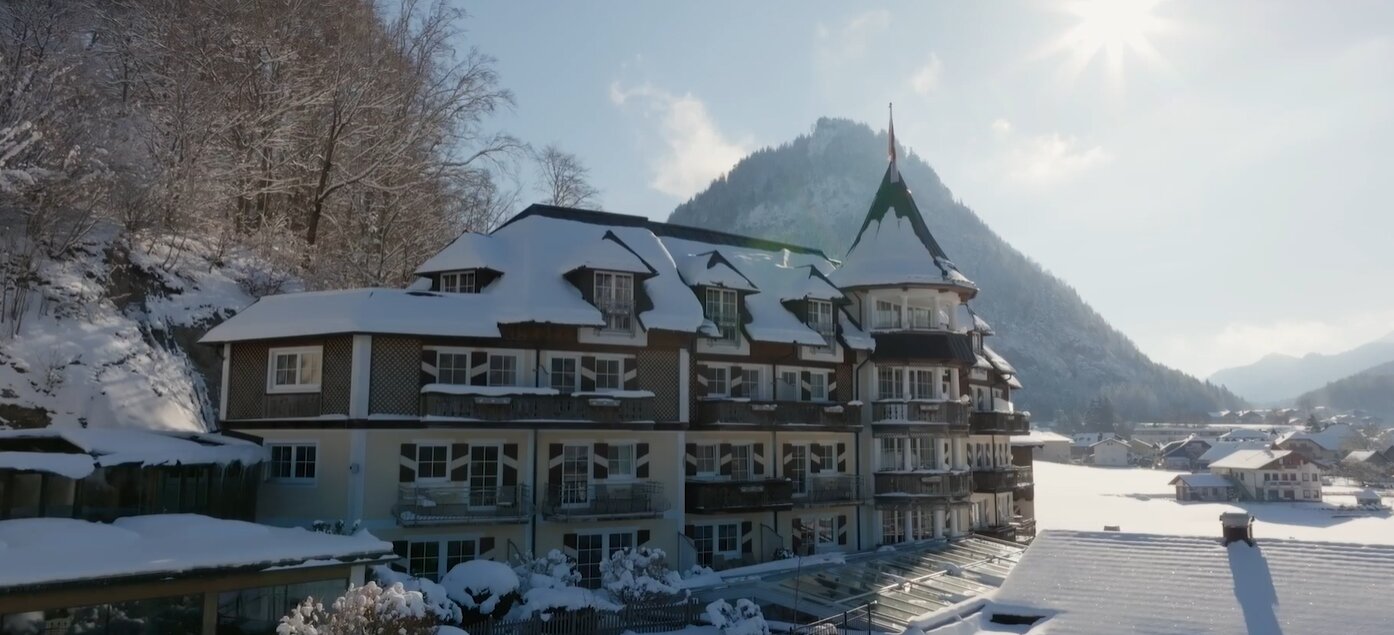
column 637, row 499
column 998, row 480
column 579, row 407
column 900, row 346
column 291, row 405
column 952, row 414
column 830, row 489
column 711, row 497
column 1024, row 529
column 909, row 485
column 421, row 506
column 712, row 411
column 1000, row 423
column 1000, row 532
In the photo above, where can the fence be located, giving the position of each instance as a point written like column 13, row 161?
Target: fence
column 654, row 618
column 849, row 622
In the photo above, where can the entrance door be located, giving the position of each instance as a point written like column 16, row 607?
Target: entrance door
column 484, row 476
column 575, row 475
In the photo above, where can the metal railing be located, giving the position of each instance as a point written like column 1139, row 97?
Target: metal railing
column 634, row 618
column 913, row 484
column 705, row 497
column 992, row 422
column 778, row 412
column 952, row 413
column 998, row 479
column 419, row 506
column 635, row 499
column 860, row 619
column 824, row 489
column 591, row 407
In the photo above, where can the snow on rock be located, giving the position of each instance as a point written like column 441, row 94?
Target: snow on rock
column 480, row 584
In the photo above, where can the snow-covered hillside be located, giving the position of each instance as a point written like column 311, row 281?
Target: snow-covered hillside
column 105, row 335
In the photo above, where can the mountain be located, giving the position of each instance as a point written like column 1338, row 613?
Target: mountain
column 1371, row 390
column 816, row 190
column 1280, row 377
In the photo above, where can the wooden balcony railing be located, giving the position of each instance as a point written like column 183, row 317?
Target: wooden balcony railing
column 590, row 407
column 778, row 412
column 951, row 413
column 419, row 506
column 952, row 484
column 706, row 497
column 291, row 405
column 997, row 480
column 637, row 499
column 830, row 489
column 1000, row 423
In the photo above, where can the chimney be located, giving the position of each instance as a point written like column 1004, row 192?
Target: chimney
column 1236, row 526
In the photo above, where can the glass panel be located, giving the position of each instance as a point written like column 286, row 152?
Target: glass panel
column 607, row 374
column 621, row 460
column 575, row 474
column 432, row 461
column 453, row 368
column 563, row 374
column 503, row 370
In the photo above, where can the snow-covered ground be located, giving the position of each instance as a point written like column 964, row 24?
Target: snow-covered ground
column 1138, row 500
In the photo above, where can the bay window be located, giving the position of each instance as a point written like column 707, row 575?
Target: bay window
column 890, row 383
column 887, row 315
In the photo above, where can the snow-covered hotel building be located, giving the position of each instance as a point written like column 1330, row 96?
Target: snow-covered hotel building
column 587, row 381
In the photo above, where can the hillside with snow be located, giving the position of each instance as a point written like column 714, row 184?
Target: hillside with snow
column 816, row 189
column 1277, row 378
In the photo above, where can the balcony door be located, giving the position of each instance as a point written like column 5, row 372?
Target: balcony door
column 798, row 469
column 576, row 475
column 485, row 476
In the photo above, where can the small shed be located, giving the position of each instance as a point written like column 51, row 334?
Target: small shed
column 1203, row 487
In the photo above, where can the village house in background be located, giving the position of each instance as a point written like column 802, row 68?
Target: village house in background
column 1271, row 475
column 1045, row 445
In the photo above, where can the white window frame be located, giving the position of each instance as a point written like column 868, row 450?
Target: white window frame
column 735, row 530
column 517, row 368
column 295, row 460
column 445, row 476
column 725, row 380
column 930, row 379
column 611, row 474
column 299, row 387
column 575, row 359
column 618, row 374
column 887, row 315
column 610, row 298
column 895, row 520
column 608, row 543
column 897, row 382
column 715, row 308
column 818, row 390
column 459, row 281
column 454, row 370
column 748, row 460
column 783, row 373
column 715, row 458
column 825, row 451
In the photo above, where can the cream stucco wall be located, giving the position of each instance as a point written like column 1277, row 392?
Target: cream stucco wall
column 325, row 498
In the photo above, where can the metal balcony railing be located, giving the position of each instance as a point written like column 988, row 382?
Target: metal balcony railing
column 592, row 407
column 422, row 505
column 706, row 497
column 778, row 412
column 830, row 489
column 636, row 499
column 999, row 423
column 951, row 413
column 912, row 484
column 997, row 479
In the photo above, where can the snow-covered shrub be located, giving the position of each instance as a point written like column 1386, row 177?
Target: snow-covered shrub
column 554, row 570
column 438, row 602
column 482, row 588
column 366, row 610
column 639, row 575
column 337, row 527
column 783, row 553
column 745, row 618
column 550, row 585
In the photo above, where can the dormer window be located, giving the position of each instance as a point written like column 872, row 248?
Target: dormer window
column 458, row 282
column 977, row 343
column 614, row 296
column 721, row 307
column 820, row 319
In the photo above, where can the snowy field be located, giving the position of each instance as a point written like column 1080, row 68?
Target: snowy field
column 1139, row 500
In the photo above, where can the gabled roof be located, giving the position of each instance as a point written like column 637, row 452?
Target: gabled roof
column 711, row 269
column 1250, row 459
column 1105, row 583
column 1177, row 446
column 1204, row 479
column 1226, row 448
column 1039, row 437
column 894, row 245
column 1334, row 437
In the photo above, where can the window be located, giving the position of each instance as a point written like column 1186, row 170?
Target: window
column 827, row 457
column 798, row 472
column 921, row 524
column 921, row 318
column 921, row 453
column 484, row 477
column 742, row 462
column 717, row 386
column 458, row 551
column 453, row 368
column 562, row 375
column 292, row 462
column 503, row 370
column 825, row 530
column 750, row 383
column 788, row 389
column 892, row 454
column 818, row 386
column 887, row 315
column 614, row 296
column 721, row 310
column 892, row 527
column 620, row 457
column 921, row 383
column 820, row 319
column 608, row 375
column 947, row 383
column 423, row 560
column 294, row 369
column 728, row 538
column 432, row 461
column 706, row 459
column 458, row 282
column 977, row 339
column 890, row 383
column 592, row 549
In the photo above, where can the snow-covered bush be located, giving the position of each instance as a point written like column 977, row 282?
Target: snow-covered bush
column 366, row 610
column 639, row 575
column 554, row 570
column 438, row 602
column 783, row 553
column 550, row 585
column 482, row 588
column 745, row 618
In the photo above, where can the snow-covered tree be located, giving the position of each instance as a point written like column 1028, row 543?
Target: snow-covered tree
column 745, row 618
column 438, row 602
column 639, row 575
column 482, row 588
column 366, row 610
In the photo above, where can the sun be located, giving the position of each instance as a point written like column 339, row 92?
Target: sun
column 1113, row 29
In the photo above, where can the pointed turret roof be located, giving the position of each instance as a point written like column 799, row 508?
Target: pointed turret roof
column 894, row 245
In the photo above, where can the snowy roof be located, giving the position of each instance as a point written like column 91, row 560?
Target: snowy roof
column 1039, row 437
column 1334, row 437
column 99, row 447
column 967, row 315
column 381, row 311
column 1104, row 583
column 894, row 245
column 1360, row 456
column 711, row 269
column 1202, row 480
column 1249, row 459
column 44, row 551
column 1243, row 433
column 997, row 361
column 1226, row 448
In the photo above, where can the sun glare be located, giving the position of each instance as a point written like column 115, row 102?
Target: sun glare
column 1113, row 28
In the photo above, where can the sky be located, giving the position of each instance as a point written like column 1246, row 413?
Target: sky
column 1212, row 177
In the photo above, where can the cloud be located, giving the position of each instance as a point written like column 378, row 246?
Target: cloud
column 1048, row 159
column 696, row 151
column 926, row 78
column 1240, row 343
column 852, row 39
column 1001, row 127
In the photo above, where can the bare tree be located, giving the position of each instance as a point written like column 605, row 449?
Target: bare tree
column 563, row 179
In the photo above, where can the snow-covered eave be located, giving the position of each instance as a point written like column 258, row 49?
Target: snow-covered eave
column 968, row 291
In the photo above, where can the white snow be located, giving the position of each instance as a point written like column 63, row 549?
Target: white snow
column 1038, row 437
column 707, row 269
column 889, row 252
column 383, row 311
column 1224, row 449
column 70, row 465
column 116, row 446
column 1204, row 479
column 491, row 391
column 1334, row 437
column 1248, row 459
column 1139, row 500
column 51, row 550
column 486, row 580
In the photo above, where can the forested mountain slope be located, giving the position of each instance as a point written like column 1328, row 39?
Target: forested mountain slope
column 816, row 189
column 1371, row 390
column 1277, row 377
